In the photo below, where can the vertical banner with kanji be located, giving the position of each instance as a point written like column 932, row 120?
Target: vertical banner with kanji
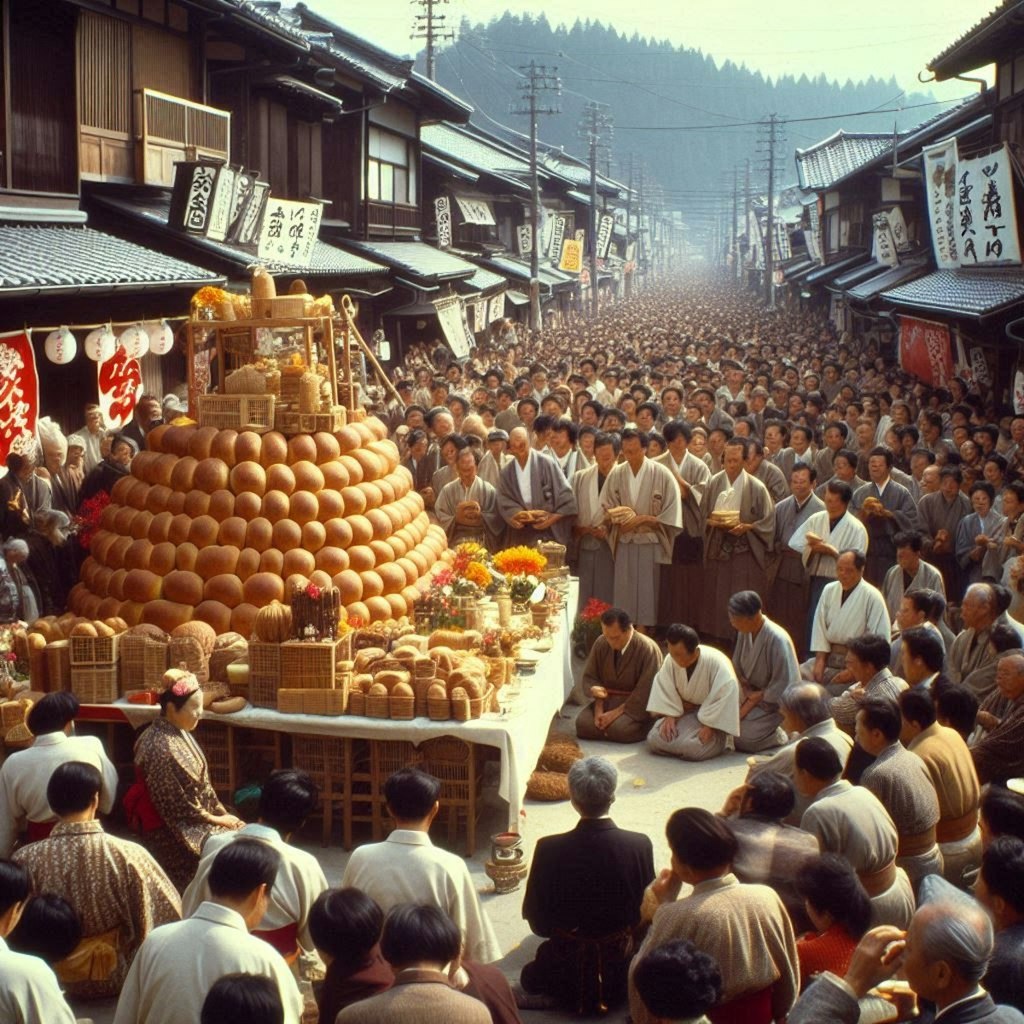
column 120, row 384
column 940, row 190
column 289, row 231
column 19, row 396
column 925, row 351
column 884, row 242
column 604, row 235
column 986, row 216
column 443, row 218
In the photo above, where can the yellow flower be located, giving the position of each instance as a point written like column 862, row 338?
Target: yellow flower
column 477, row 572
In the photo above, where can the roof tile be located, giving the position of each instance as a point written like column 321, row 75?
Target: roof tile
column 974, row 293
column 828, row 162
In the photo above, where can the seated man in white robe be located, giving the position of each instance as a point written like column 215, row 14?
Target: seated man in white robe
column 467, row 508
column 849, row 607
column 697, row 697
column 911, row 572
column 765, row 663
column 642, row 541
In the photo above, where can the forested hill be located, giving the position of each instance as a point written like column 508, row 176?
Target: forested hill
column 647, row 82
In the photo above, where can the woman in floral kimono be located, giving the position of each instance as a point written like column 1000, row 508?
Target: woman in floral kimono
column 173, row 799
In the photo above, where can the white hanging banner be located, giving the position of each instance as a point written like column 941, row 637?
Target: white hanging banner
column 479, row 316
column 496, row 308
column 884, row 249
column 289, row 231
column 557, row 237
column 812, row 237
column 604, row 235
column 940, row 187
column 986, row 215
column 443, row 219
column 475, row 211
column 451, row 312
column 898, row 227
column 524, row 237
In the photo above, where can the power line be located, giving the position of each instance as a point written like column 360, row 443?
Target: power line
column 431, row 26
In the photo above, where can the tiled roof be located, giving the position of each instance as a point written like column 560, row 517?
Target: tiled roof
column 349, row 58
column 828, row 162
column 866, row 290
column 267, row 15
column 326, row 259
column 978, row 44
column 416, row 259
column 53, row 257
column 520, row 269
column 468, row 148
column 484, row 280
column 974, row 293
column 822, row 275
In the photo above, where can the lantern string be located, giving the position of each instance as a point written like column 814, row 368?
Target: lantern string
column 113, row 323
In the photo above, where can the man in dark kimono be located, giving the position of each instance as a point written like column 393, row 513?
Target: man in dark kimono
column 886, row 508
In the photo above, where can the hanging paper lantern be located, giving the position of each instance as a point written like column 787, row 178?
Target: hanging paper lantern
column 100, row 344
column 60, row 346
column 135, row 341
column 161, row 338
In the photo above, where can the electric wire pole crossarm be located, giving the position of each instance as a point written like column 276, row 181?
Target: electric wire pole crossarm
column 595, row 129
column 429, row 25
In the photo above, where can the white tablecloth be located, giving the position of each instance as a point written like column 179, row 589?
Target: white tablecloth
column 519, row 735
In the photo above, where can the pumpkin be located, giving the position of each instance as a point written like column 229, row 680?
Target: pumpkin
column 273, row 623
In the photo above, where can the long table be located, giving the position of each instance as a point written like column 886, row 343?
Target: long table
column 519, row 735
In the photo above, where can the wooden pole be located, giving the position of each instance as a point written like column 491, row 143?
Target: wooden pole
column 328, row 323
column 346, row 306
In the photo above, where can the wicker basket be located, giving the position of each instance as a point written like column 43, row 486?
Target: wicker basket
column 95, row 684
column 377, row 705
column 263, row 689
column 420, row 688
column 264, row 658
column 13, row 712
column 246, row 381
column 58, row 664
column 439, row 709
column 357, row 703
column 402, row 708
column 310, row 665
column 311, row 422
column 311, row 702
column 143, row 661
column 465, row 711
column 236, row 412
column 94, row 650
column 215, row 743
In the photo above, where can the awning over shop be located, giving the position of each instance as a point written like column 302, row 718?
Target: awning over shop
column 483, row 282
column 150, row 212
column 840, row 266
column 798, row 267
column 866, row 290
column 550, row 279
column 474, row 209
column 974, row 294
column 517, row 298
column 416, row 262
column 55, row 258
column 855, row 276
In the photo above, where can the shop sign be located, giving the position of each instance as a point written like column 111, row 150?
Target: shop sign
column 925, row 351
column 572, row 256
column 940, row 189
column 289, row 231
column 443, row 217
column 19, row 396
column 604, row 235
column 986, row 215
column 119, row 379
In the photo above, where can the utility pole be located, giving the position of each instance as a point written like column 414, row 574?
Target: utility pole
column 769, row 243
column 734, row 235
column 430, row 26
column 536, row 79
column 746, row 213
column 594, row 128
column 640, row 221
column 629, row 227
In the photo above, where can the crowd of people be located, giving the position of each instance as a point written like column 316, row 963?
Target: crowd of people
column 805, row 555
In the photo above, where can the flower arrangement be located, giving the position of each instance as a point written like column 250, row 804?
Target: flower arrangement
column 521, row 567
column 587, row 627
column 10, row 667
column 87, row 522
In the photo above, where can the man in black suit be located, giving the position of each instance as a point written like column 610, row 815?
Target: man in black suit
column 583, row 896
column 943, row 957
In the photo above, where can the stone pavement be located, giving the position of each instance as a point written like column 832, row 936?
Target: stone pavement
column 650, row 789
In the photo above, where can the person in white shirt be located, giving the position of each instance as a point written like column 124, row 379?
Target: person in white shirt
column 289, row 796
column 407, row 867
column 29, row 993
column 25, row 774
column 179, row 963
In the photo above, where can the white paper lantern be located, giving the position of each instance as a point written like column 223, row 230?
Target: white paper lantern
column 135, row 341
column 100, row 344
column 161, row 338
column 60, row 346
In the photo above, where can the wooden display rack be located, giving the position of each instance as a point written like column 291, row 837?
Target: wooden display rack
column 230, row 330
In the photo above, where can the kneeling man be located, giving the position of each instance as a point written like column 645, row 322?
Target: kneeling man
column 698, row 698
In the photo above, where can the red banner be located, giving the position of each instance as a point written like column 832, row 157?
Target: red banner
column 19, row 396
column 120, row 384
column 925, row 351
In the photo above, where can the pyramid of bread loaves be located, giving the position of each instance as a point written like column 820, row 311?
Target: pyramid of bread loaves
column 214, row 524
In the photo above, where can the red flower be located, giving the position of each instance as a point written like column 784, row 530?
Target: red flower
column 594, row 609
column 312, row 592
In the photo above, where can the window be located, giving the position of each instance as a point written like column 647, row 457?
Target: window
column 391, row 169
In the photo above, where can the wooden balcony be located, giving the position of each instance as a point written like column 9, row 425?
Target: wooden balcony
column 394, row 219
column 169, row 128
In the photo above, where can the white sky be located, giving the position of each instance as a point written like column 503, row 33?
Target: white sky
column 842, row 38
